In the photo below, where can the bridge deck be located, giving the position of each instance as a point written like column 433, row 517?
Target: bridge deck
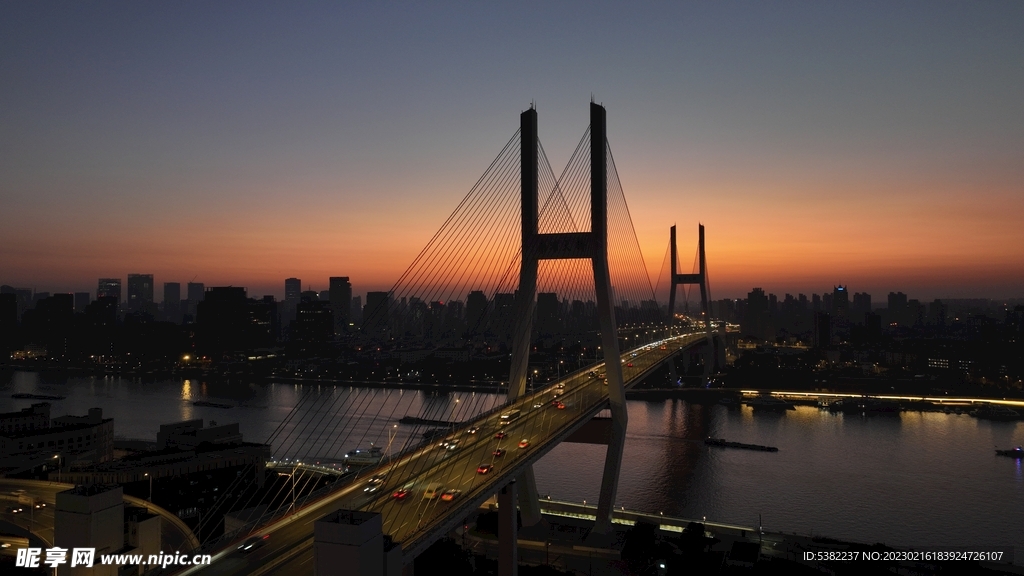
column 416, row 521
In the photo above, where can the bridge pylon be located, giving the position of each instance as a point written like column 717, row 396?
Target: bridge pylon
column 592, row 245
column 700, row 278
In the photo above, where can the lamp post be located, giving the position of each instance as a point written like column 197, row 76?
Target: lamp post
column 392, row 432
column 150, row 485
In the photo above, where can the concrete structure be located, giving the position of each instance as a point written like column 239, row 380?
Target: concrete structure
column 110, row 287
column 90, row 517
column 340, row 294
column 142, row 533
column 700, row 278
column 352, row 542
column 592, row 245
column 172, row 302
column 63, row 443
column 34, row 417
column 140, row 291
column 191, row 433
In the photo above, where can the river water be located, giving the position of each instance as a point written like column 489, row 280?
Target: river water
column 913, row 479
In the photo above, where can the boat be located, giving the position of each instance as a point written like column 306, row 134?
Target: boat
column 723, row 443
column 364, row 456
column 209, row 404
column 23, row 395
column 770, row 403
column 1017, row 452
column 996, row 412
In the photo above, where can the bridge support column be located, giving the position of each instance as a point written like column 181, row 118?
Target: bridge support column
column 606, row 314
column 529, row 500
column 508, row 532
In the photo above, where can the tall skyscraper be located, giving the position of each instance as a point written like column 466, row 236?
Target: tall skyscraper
column 547, row 313
column 140, row 291
column 341, row 302
column 172, row 302
column 756, row 321
column 476, row 312
column 375, row 315
column 82, row 300
column 292, row 290
column 109, row 288
column 841, row 301
column 196, row 293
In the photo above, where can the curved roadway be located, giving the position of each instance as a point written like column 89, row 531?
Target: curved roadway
column 417, row 519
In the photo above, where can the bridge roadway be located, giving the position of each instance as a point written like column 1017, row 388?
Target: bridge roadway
column 416, row 521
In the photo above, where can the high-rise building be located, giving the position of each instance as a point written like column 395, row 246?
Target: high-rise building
column 196, row 293
column 897, row 311
column 140, row 291
column 822, row 330
column 375, row 315
column 341, row 302
column 841, row 301
column 861, row 306
column 476, row 312
column 356, row 311
column 937, row 313
column 547, row 313
column 109, row 287
column 292, row 290
column 82, row 300
column 756, row 321
column 172, row 302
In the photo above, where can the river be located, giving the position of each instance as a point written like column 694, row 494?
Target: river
column 913, row 479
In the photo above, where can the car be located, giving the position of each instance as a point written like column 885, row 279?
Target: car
column 498, row 452
column 253, row 543
column 450, row 494
column 560, row 406
column 473, row 430
column 633, row 355
column 630, row 365
column 432, row 491
column 400, row 494
column 453, row 445
column 556, row 402
column 484, row 468
column 500, row 434
column 663, row 347
column 560, row 386
column 537, row 405
column 377, row 478
column 15, row 509
column 371, row 488
column 524, row 443
column 40, row 504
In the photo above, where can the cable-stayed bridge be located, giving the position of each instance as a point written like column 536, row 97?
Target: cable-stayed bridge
column 539, row 256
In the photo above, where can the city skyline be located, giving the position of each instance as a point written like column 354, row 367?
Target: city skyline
column 873, row 147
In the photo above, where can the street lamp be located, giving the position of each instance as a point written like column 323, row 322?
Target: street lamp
column 150, row 486
column 391, row 438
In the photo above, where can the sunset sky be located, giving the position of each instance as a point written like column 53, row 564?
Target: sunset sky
column 878, row 145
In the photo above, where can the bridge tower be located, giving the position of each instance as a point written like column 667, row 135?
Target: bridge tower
column 592, row 245
column 700, row 278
